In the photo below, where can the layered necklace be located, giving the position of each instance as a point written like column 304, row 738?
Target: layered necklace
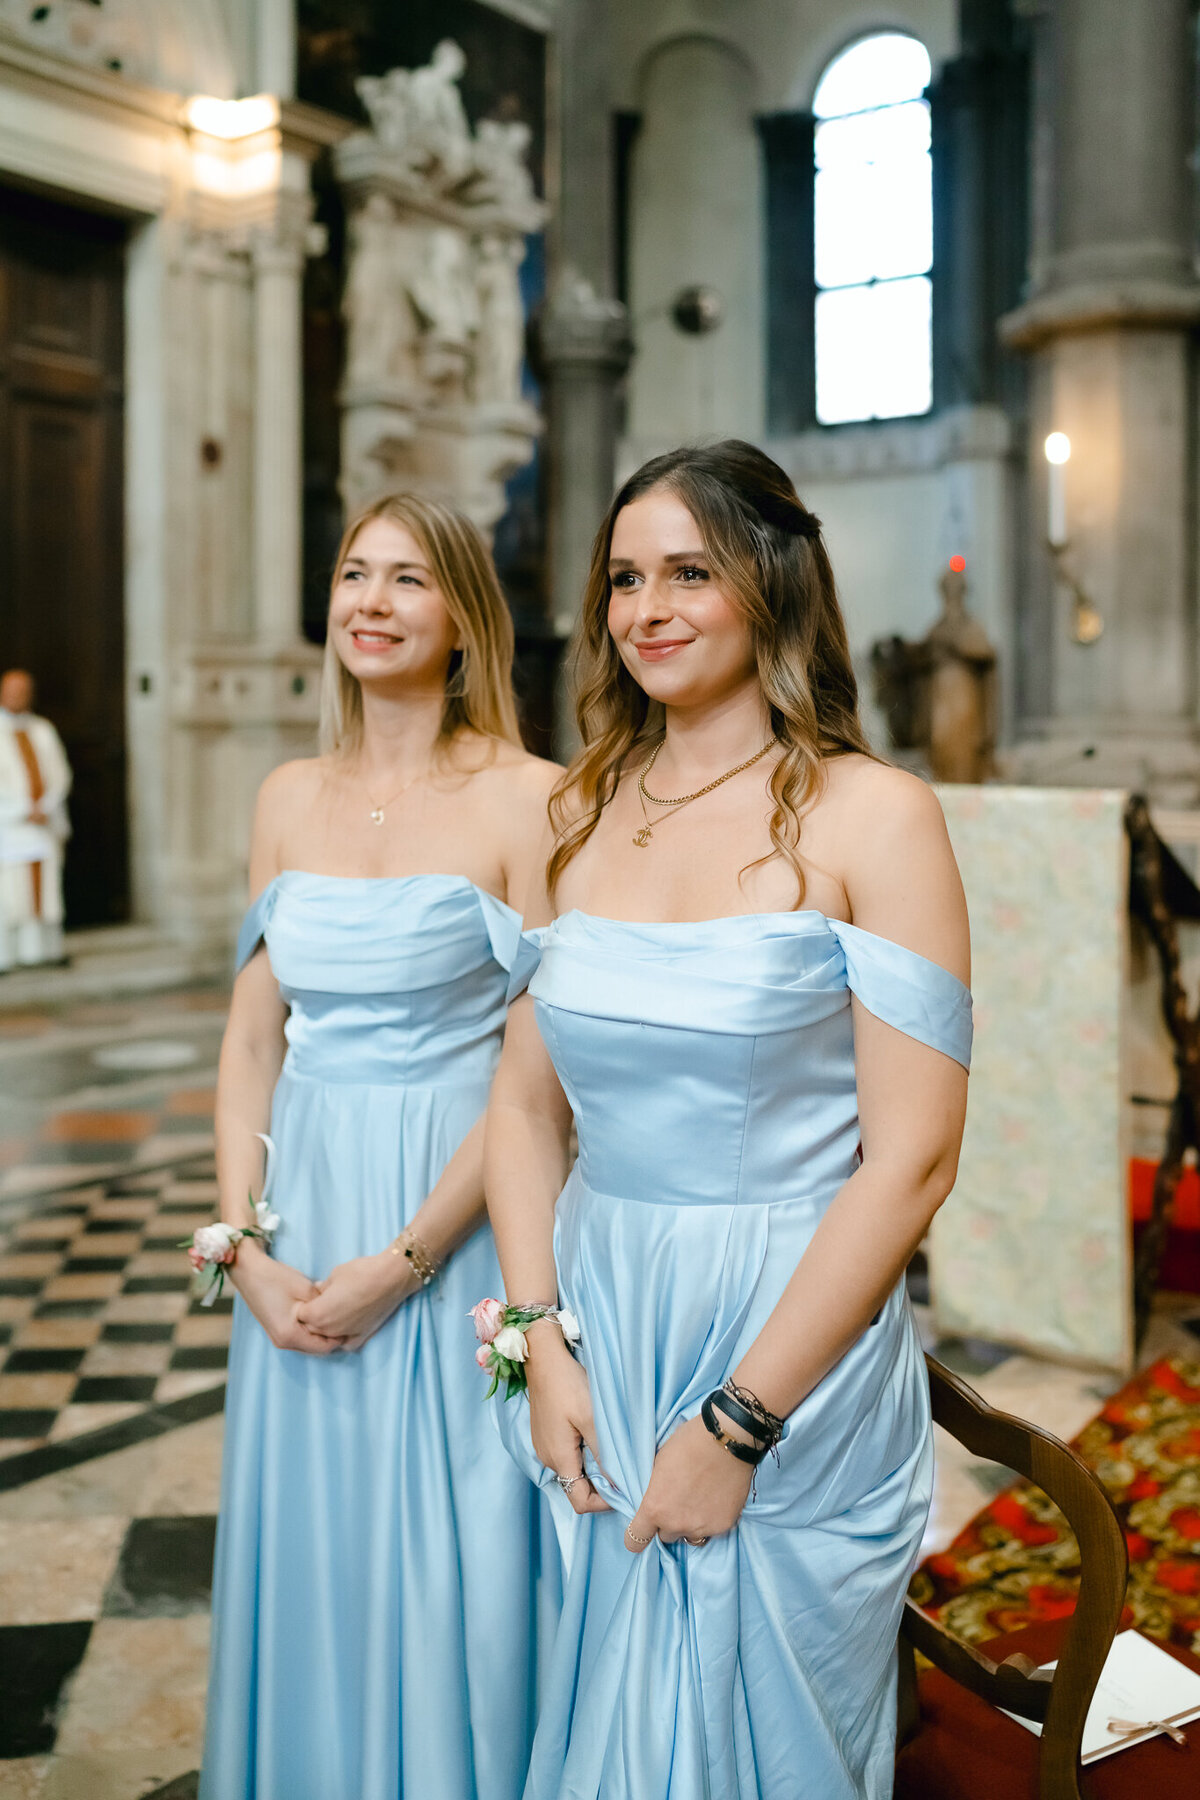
column 645, row 831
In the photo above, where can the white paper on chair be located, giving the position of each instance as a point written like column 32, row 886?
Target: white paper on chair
column 1139, row 1681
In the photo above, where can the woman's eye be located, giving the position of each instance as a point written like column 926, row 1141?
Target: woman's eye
column 625, row 579
column 690, row 573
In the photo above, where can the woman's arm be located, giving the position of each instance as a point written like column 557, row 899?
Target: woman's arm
column 251, row 1057
column 911, row 1104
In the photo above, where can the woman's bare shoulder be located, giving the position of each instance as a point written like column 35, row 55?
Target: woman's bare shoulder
column 291, row 784
column 862, row 791
column 522, row 776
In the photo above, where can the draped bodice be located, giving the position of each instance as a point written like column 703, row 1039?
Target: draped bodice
column 391, row 981
column 713, row 1062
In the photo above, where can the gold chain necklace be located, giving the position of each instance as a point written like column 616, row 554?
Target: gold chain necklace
column 645, row 832
column 377, row 811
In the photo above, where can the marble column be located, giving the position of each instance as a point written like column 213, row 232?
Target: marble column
column 584, row 340
column 1109, row 327
column 278, row 263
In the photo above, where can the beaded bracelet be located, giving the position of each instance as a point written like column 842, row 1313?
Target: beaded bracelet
column 416, row 1253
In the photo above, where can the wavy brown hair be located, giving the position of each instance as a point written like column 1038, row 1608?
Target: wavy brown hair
column 479, row 690
column 766, row 550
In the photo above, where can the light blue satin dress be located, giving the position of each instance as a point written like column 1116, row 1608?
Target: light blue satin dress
column 711, row 1071
column 376, row 1596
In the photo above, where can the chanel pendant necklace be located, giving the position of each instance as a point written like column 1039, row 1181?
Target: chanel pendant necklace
column 645, row 831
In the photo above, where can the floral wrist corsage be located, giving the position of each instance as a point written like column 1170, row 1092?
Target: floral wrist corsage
column 502, row 1348
column 212, row 1248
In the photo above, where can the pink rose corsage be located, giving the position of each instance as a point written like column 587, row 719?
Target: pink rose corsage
column 502, row 1348
column 213, row 1248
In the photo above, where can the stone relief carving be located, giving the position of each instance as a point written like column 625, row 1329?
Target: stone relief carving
column 435, row 322
column 181, row 45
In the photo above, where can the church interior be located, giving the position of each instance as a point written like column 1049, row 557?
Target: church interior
column 262, row 261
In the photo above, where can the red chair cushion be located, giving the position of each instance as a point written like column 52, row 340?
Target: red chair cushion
column 967, row 1750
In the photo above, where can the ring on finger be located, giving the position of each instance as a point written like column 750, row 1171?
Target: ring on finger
column 635, row 1539
column 696, row 1541
column 567, row 1482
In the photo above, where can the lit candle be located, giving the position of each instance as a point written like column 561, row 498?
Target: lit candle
column 1058, row 454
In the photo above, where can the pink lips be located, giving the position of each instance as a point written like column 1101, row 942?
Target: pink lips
column 373, row 645
column 658, row 649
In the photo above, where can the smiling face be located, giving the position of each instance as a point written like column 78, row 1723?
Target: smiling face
column 388, row 619
column 677, row 631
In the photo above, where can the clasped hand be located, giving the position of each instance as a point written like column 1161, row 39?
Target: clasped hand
column 339, row 1313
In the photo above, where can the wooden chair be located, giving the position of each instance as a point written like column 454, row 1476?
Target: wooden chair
column 954, row 1747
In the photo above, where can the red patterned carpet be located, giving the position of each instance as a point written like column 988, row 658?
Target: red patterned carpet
column 1017, row 1561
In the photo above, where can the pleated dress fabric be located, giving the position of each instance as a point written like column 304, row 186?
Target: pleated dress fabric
column 377, row 1598
column 710, row 1068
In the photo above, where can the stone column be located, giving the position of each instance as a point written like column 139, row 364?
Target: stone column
column 278, row 261
column 1108, row 327
column 584, row 336
column 585, row 346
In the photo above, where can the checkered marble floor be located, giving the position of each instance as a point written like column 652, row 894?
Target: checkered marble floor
column 98, row 1322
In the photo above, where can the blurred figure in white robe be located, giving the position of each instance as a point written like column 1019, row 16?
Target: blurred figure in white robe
column 35, row 779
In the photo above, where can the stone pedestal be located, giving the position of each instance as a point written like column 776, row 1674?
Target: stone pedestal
column 438, row 218
column 1109, row 330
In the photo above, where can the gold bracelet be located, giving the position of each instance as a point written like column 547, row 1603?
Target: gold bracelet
column 416, row 1253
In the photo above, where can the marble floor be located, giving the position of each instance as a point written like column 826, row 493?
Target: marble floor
column 111, row 1381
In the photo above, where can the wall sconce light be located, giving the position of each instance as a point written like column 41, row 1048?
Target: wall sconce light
column 1086, row 623
column 235, row 145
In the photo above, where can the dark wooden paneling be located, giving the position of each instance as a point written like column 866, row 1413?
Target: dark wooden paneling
column 61, row 502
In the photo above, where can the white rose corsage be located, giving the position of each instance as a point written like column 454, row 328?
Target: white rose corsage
column 212, row 1248
column 502, row 1348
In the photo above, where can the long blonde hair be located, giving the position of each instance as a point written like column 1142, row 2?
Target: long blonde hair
column 479, row 691
column 766, row 550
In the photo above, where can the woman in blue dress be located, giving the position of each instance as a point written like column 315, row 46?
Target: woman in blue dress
column 370, row 1641
column 751, row 997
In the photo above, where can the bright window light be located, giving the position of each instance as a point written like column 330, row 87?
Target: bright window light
column 874, row 232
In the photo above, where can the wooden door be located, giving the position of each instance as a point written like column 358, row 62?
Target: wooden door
column 61, row 500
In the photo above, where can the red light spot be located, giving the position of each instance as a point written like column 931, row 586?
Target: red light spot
column 958, row 564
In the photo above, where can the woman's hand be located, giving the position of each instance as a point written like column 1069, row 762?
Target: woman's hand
column 357, row 1297
column 560, row 1412
column 273, row 1291
column 696, row 1490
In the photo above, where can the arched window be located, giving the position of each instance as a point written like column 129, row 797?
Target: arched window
column 873, row 232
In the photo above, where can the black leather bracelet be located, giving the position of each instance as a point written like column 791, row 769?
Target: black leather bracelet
column 741, row 1415
column 747, row 1453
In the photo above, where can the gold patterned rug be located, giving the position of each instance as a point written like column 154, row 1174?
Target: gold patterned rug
column 1017, row 1561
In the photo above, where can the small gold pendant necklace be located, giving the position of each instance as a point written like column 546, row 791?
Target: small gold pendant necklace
column 645, row 831
column 376, row 813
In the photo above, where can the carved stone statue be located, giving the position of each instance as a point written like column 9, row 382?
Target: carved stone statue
column 418, row 114
column 502, row 162
column 939, row 694
column 381, row 327
column 443, row 291
column 440, row 217
column 500, row 346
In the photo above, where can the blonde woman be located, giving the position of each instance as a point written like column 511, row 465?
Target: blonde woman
column 376, row 1592
column 751, row 995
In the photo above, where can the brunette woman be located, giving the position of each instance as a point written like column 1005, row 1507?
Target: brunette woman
column 376, row 1594
column 751, row 996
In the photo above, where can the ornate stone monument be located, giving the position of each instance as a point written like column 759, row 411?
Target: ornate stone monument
column 435, row 325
